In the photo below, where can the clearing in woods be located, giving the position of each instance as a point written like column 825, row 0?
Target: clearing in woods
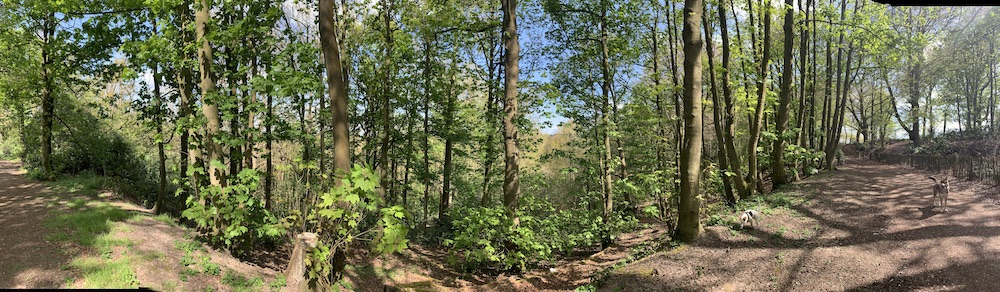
column 867, row 226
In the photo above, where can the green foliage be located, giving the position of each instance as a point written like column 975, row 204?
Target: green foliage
column 232, row 214
column 486, row 238
column 342, row 215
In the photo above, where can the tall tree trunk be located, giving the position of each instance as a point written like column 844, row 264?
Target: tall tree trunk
column 753, row 175
column 730, row 140
column 386, row 99
column 210, row 107
column 338, row 106
column 491, row 112
column 833, row 137
column 678, row 129
column 511, row 180
column 605, row 114
column 161, row 190
column 720, row 135
column 48, row 101
column 688, row 224
column 785, row 97
column 269, row 152
column 803, row 76
column 812, row 84
column 185, row 91
column 427, row 129
column 449, row 145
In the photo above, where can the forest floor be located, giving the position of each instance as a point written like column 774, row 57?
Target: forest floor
column 66, row 235
column 865, row 227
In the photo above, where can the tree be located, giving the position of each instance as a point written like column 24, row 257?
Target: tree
column 688, row 224
column 338, row 107
column 512, row 52
column 785, row 99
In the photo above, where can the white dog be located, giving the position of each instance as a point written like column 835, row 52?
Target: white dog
column 749, row 217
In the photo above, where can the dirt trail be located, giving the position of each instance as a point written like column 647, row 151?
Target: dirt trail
column 27, row 259
column 865, row 227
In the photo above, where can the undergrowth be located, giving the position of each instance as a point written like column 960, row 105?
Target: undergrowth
column 91, row 226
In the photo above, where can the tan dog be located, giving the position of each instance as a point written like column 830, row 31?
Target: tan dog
column 749, row 217
column 941, row 190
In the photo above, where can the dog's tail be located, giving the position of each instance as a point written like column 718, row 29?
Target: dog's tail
column 935, row 179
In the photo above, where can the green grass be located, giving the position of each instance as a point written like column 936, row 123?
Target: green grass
column 90, row 226
column 103, row 273
column 279, row 281
column 86, row 227
column 84, row 184
column 240, row 283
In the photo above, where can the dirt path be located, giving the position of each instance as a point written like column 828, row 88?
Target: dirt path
column 866, row 227
column 27, row 259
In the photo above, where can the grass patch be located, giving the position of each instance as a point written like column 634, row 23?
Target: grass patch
column 86, row 183
column 91, row 226
column 240, row 283
column 84, row 227
column 102, row 273
column 279, row 281
column 165, row 218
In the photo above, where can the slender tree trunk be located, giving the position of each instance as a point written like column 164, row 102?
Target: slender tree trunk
column 833, row 137
column 688, row 225
column 427, row 129
column 338, row 104
column 185, row 91
column 605, row 117
column 674, row 77
column 730, row 140
column 720, row 135
column 491, row 112
column 511, row 181
column 785, row 97
column 409, row 157
column 48, row 101
column 753, row 175
column 812, row 84
column 449, row 145
column 386, row 99
column 162, row 158
column 803, row 75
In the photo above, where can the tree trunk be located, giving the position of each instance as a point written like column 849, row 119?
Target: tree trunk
column 338, row 105
column 605, row 117
column 185, row 92
column 48, row 101
column 730, row 140
column 833, row 137
column 162, row 158
column 427, row 129
column 753, row 175
column 386, row 100
column 720, row 135
column 208, row 91
column 449, row 145
column 688, row 225
column 511, row 181
column 785, row 97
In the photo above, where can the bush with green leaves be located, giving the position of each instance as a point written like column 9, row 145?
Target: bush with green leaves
column 340, row 219
column 485, row 238
column 231, row 214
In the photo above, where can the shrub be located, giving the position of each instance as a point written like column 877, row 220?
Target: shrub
column 232, row 214
column 486, row 238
